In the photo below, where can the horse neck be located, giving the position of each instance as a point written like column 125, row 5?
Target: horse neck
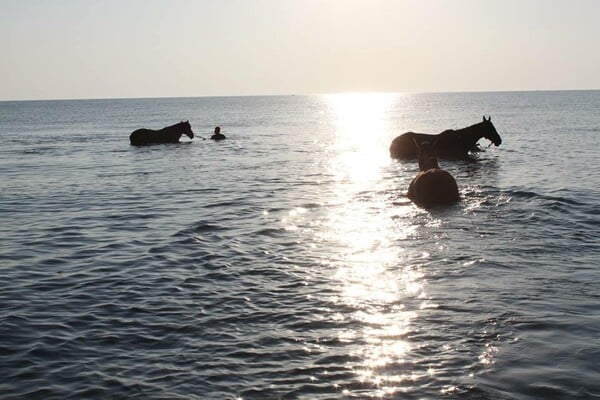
column 471, row 134
column 174, row 129
column 427, row 161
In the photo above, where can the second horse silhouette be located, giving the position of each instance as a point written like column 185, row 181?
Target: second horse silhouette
column 432, row 186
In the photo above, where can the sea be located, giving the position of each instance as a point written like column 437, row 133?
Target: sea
column 286, row 262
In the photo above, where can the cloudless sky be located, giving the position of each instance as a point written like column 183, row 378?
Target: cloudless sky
column 152, row 48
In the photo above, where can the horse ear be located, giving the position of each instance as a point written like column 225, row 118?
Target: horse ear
column 489, row 118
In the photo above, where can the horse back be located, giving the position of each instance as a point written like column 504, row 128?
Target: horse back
column 142, row 131
column 447, row 144
column 433, row 187
column 404, row 146
column 139, row 136
column 149, row 136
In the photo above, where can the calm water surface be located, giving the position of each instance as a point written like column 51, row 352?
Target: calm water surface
column 286, row 262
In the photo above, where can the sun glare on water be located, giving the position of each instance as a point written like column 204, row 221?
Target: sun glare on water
column 361, row 133
column 363, row 227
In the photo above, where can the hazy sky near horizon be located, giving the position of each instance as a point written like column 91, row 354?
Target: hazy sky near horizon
column 152, row 48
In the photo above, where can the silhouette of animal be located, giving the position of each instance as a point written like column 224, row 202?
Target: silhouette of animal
column 169, row 134
column 450, row 143
column 432, row 186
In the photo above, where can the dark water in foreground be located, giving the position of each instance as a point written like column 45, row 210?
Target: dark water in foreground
column 286, row 262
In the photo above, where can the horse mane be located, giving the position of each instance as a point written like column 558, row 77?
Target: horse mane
column 468, row 128
column 469, row 135
column 177, row 125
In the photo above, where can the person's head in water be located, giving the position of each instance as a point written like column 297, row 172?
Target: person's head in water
column 217, row 135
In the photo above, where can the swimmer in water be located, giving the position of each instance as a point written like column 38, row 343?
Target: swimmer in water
column 217, row 135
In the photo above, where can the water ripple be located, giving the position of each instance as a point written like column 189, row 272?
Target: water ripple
column 288, row 262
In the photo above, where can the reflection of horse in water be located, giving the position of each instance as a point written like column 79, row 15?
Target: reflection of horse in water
column 450, row 143
column 170, row 134
column 432, row 186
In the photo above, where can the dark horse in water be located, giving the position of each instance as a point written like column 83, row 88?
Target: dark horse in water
column 170, row 134
column 433, row 186
column 450, row 143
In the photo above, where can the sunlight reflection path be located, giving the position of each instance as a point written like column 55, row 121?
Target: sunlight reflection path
column 385, row 295
column 361, row 132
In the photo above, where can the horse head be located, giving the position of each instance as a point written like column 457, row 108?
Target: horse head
column 489, row 131
column 187, row 129
column 427, row 155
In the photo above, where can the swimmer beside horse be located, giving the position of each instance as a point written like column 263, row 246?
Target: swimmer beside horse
column 450, row 143
column 432, row 186
column 217, row 135
column 169, row 134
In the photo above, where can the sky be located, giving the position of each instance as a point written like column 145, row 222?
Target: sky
column 70, row 49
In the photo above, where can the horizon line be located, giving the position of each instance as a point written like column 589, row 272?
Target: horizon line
column 299, row 95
